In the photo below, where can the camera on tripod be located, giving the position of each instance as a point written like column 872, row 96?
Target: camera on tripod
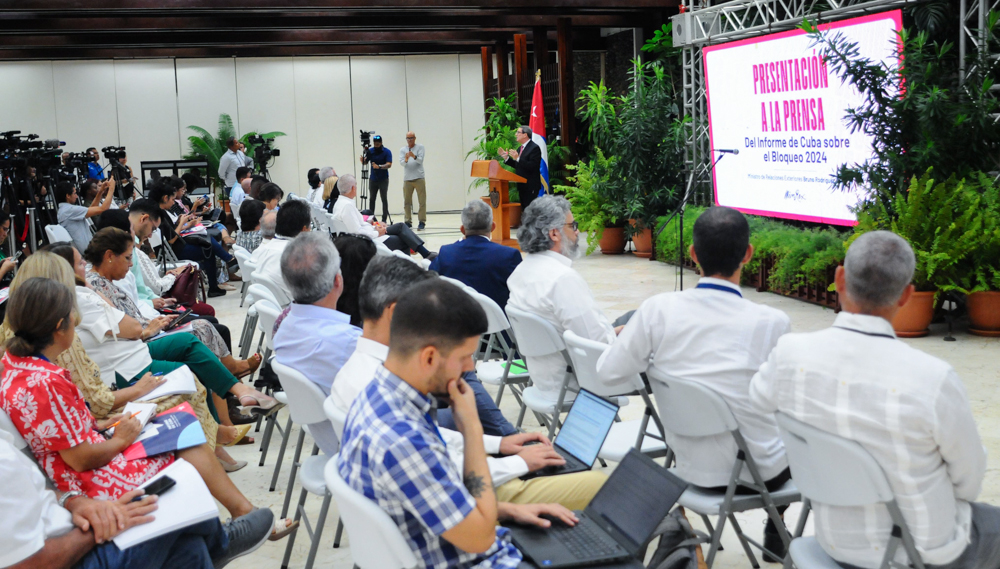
column 263, row 153
column 114, row 153
column 366, row 138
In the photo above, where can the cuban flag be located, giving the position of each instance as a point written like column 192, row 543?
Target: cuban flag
column 537, row 126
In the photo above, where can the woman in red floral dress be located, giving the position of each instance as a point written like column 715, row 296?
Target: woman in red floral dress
column 50, row 412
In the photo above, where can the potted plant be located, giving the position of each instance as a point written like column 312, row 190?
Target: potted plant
column 205, row 146
column 593, row 209
column 941, row 221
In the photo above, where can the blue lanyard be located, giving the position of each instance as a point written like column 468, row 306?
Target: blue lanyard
column 437, row 432
column 714, row 286
column 40, row 356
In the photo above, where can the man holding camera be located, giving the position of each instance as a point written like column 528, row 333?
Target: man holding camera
column 380, row 158
column 94, row 169
column 413, row 179
column 233, row 158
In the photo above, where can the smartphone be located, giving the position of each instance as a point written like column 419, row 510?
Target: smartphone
column 158, row 487
column 179, row 321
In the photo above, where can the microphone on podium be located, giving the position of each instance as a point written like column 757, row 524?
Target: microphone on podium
column 727, row 150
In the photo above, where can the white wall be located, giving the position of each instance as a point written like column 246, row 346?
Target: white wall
column 319, row 102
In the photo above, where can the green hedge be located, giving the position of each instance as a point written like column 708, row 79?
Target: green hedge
column 801, row 256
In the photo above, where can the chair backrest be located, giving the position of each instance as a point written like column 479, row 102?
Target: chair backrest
column 7, row 426
column 403, row 255
column 305, row 398
column 535, row 335
column 376, row 542
column 258, row 277
column 337, row 417
column 268, row 313
column 336, row 225
column 319, row 217
column 584, row 354
column 831, row 469
column 497, row 320
column 690, row 409
column 242, row 259
column 257, row 292
column 381, row 249
column 57, row 233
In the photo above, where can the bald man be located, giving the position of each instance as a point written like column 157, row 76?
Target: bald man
column 413, row 179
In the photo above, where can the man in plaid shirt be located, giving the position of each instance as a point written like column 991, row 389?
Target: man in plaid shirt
column 393, row 453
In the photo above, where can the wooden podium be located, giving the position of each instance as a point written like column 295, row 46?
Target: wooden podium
column 499, row 198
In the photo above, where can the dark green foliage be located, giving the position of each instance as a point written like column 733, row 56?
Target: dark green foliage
column 207, row 147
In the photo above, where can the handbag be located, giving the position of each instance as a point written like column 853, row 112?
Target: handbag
column 185, row 288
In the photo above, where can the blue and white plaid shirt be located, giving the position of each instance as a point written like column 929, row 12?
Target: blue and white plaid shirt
column 393, row 454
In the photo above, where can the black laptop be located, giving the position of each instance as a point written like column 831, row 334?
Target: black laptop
column 617, row 523
column 582, row 434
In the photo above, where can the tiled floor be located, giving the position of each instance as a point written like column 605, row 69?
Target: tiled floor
column 619, row 283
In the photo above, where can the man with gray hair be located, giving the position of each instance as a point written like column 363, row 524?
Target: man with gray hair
column 475, row 260
column 268, row 223
column 527, row 163
column 397, row 237
column 908, row 409
column 546, row 284
column 314, row 338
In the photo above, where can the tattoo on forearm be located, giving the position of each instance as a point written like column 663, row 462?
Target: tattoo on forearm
column 475, row 484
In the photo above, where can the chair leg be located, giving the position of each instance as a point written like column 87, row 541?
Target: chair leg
column 499, row 394
column 716, row 542
column 291, row 537
column 318, row 534
column 265, row 441
column 710, row 527
column 291, row 475
column 743, row 541
column 340, row 532
column 281, row 452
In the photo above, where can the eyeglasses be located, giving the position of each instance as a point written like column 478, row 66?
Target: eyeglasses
column 575, row 226
column 411, row 138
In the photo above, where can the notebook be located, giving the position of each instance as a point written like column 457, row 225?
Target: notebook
column 145, row 411
column 177, row 428
column 186, row 504
column 178, row 382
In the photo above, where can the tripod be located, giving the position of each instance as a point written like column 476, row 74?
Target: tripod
column 680, row 221
column 125, row 189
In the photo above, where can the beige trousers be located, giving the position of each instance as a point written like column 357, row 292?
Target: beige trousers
column 574, row 491
column 421, row 187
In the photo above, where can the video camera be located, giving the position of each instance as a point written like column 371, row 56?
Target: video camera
column 114, row 153
column 366, row 138
column 263, row 152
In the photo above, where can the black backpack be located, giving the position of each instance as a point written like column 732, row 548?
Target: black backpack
column 678, row 545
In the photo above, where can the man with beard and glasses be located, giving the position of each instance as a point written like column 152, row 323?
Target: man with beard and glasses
column 546, row 284
column 395, row 455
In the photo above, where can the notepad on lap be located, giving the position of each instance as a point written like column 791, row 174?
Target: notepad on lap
column 178, row 382
column 186, row 504
column 145, row 411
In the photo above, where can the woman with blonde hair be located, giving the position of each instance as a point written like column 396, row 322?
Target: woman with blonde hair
column 329, row 177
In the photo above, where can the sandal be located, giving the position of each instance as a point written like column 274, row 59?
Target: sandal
column 253, row 362
column 282, row 528
column 241, row 433
column 261, row 402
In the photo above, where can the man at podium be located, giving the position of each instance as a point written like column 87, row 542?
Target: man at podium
column 527, row 163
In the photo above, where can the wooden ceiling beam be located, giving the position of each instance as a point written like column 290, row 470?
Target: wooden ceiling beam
column 566, row 7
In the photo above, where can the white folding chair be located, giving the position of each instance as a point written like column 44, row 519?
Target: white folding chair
column 336, row 226
column 690, row 409
column 537, row 337
column 259, row 277
column 267, row 313
column 624, row 435
column 403, row 255
column 7, row 426
column 337, row 417
column 499, row 338
column 246, row 268
column 255, row 292
column 306, row 408
column 57, row 233
column 376, row 542
column 836, row 471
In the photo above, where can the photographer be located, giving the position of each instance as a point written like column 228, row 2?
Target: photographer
column 380, row 158
column 231, row 160
column 7, row 264
column 94, row 169
column 73, row 217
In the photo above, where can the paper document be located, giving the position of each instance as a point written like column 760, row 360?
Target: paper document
column 186, row 504
column 180, row 381
column 145, row 410
column 187, row 328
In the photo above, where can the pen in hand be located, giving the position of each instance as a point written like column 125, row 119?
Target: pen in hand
column 116, row 423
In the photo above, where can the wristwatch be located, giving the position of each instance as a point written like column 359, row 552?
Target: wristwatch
column 69, row 496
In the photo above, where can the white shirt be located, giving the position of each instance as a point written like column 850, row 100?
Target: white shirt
column 413, row 168
column 718, row 339
column 129, row 287
column 347, row 213
column 259, row 251
column 907, row 408
column 29, row 513
column 236, row 198
column 229, row 162
column 315, row 196
column 98, row 331
column 357, row 373
column 269, row 262
column 545, row 284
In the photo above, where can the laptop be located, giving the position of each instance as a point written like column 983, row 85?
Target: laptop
column 582, row 435
column 615, row 526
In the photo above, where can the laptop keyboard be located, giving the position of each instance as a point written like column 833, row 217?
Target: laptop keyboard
column 585, row 540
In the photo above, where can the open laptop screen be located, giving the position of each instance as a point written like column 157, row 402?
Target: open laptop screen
column 586, row 426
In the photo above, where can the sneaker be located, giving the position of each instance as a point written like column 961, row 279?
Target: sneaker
column 409, row 224
column 421, row 226
column 773, row 542
column 246, row 534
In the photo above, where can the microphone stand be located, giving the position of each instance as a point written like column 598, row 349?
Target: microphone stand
column 679, row 213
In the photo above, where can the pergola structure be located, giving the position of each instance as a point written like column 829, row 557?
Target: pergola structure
column 106, row 29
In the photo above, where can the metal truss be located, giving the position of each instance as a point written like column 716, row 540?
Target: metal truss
column 702, row 24
column 972, row 29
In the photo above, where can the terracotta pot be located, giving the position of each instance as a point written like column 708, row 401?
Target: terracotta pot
column 515, row 216
column 613, row 241
column 984, row 313
column 915, row 316
column 643, row 240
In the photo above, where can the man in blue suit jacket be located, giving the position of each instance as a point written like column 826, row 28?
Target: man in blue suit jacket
column 475, row 260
